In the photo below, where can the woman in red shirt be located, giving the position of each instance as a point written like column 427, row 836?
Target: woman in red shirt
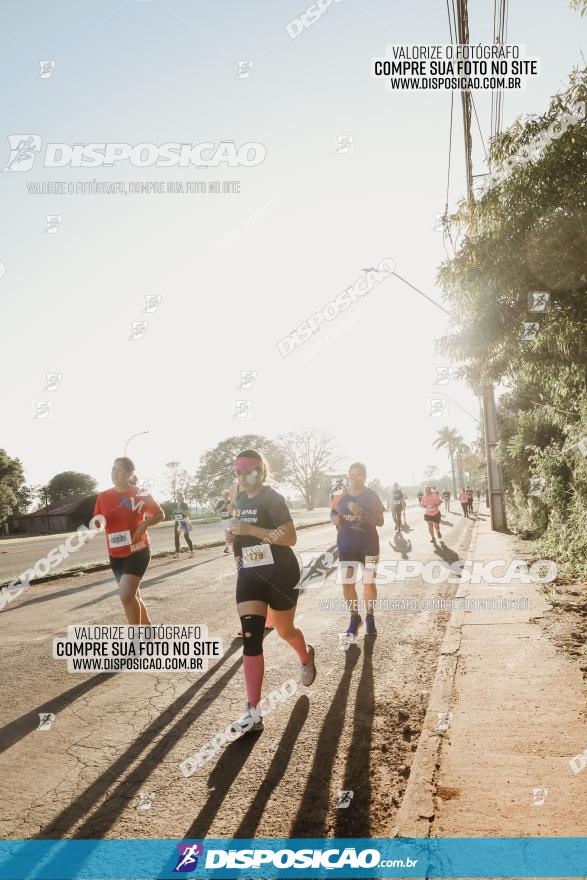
column 128, row 515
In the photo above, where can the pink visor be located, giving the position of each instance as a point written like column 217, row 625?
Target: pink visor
column 246, row 464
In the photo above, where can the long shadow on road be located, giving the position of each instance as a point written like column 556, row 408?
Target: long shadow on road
column 16, row 730
column 230, row 765
column 310, row 820
column 355, row 820
column 68, row 591
column 447, row 554
column 105, row 816
column 149, row 582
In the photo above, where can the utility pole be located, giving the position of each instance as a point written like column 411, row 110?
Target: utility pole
column 494, row 472
column 44, row 490
column 463, row 35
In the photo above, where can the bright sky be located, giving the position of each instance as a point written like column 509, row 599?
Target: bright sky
column 156, row 72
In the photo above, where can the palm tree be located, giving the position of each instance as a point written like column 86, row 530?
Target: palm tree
column 449, row 439
column 461, row 449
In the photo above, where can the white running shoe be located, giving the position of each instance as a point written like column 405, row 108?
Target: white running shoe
column 257, row 726
column 309, row 669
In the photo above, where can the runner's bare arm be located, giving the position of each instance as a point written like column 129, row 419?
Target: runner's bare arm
column 146, row 524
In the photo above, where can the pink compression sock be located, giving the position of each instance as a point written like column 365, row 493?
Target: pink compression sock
column 254, row 668
column 298, row 643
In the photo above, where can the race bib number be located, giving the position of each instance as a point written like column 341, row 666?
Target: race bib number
column 178, row 517
column 119, row 539
column 258, row 554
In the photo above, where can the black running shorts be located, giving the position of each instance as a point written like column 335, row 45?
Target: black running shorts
column 137, row 564
column 273, row 584
column 432, row 518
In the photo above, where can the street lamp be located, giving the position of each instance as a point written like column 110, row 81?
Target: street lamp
column 132, row 438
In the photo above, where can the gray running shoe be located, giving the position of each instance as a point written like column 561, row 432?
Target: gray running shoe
column 309, row 668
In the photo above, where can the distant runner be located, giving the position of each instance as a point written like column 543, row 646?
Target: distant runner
column 464, row 499
column 182, row 524
column 396, row 505
column 224, row 508
column 128, row 515
column 470, row 494
column 431, row 503
column 357, row 511
column 263, row 534
column 420, row 496
column 446, row 499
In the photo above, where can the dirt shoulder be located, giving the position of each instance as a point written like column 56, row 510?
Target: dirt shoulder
column 506, row 725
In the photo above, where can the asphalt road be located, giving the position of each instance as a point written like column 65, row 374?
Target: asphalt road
column 118, row 739
column 18, row 554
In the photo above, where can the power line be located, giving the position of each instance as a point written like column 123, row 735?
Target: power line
column 463, row 32
column 452, row 98
column 421, row 292
column 449, row 21
column 479, row 127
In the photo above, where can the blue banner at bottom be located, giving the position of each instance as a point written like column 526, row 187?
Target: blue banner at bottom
column 302, row 858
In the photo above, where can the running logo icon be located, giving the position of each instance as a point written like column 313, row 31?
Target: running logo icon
column 245, row 68
column 138, row 329
column 152, row 303
column 187, row 861
column 436, row 407
column 46, row 719
column 344, row 799
column 247, row 379
column 52, row 381
column 539, row 300
column 342, row 144
column 529, row 331
column 241, row 409
column 443, row 375
column 54, row 221
column 23, row 149
column 47, row 68
column 539, row 796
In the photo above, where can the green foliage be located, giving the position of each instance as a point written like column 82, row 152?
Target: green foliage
column 215, row 471
column 579, row 6
column 529, row 233
column 15, row 496
column 451, row 440
column 168, row 508
column 69, row 483
column 84, row 511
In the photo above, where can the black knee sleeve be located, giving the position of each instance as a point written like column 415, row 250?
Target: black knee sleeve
column 253, row 626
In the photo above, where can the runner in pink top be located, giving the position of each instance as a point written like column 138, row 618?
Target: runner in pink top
column 431, row 503
column 464, row 499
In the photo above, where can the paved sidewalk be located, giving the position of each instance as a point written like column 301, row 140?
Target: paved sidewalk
column 502, row 768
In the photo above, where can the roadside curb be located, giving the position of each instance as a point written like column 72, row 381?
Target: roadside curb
column 93, row 567
column 417, row 810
